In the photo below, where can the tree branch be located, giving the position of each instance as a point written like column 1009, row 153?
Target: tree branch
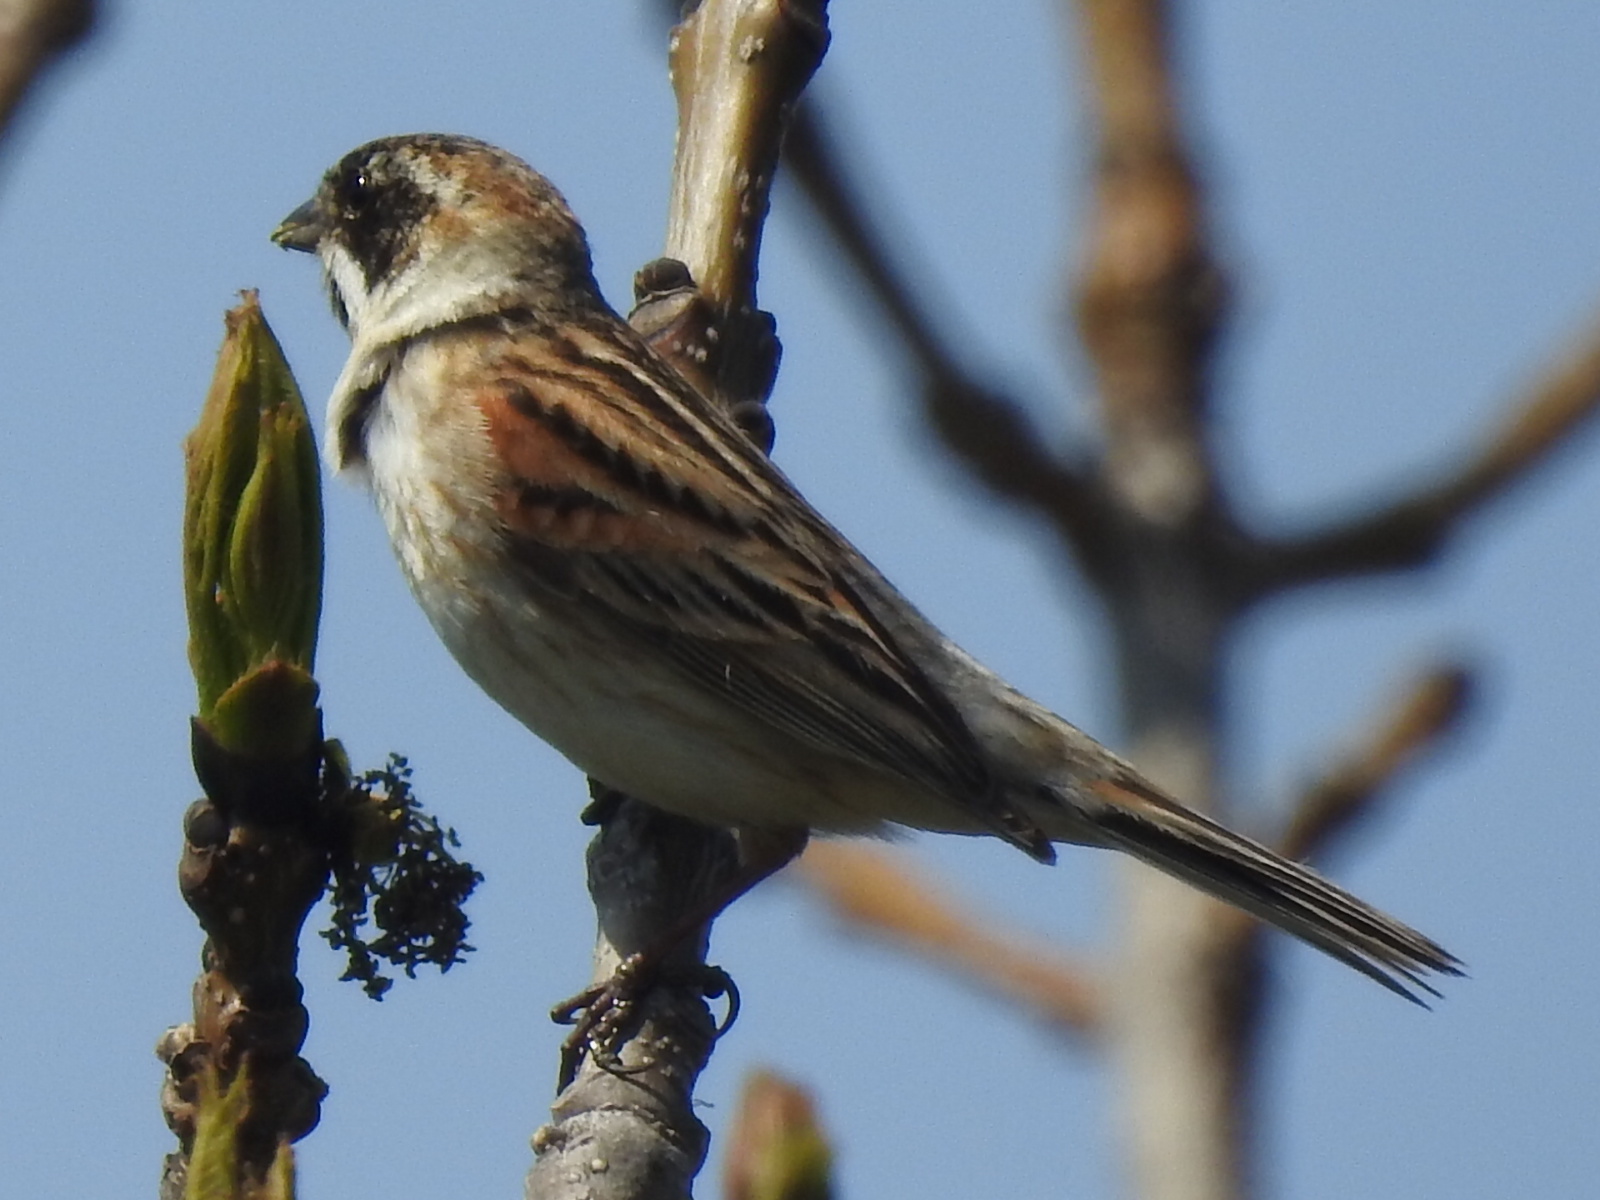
column 32, row 34
column 1150, row 303
column 737, row 68
column 626, row 1130
column 737, row 71
column 1150, row 296
column 1412, row 532
column 985, row 429
column 876, row 895
column 1410, row 729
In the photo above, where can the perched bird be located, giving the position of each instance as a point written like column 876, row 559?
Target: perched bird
column 619, row 566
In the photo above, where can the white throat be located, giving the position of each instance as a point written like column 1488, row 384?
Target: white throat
column 432, row 290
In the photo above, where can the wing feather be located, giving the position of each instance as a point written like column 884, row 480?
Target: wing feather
column 634, row 496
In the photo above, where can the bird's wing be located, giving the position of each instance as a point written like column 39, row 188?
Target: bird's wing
column 635, row 497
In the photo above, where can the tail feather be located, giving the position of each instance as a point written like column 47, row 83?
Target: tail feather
column 1155, row 829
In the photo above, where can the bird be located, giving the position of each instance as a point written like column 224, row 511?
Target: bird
column 612, row 559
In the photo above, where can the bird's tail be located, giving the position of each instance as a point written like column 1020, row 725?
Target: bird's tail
column 1128, row 814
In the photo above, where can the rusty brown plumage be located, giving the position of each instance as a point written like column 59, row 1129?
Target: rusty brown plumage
column 610, row 557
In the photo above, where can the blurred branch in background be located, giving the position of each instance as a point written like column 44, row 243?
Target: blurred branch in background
column 876, row 893
column 1412, row 531
column 1153, row 526
column 1412, row 728
column 984, row 427
column 33, row 34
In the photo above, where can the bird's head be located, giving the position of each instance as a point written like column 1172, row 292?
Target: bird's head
column 420, row 230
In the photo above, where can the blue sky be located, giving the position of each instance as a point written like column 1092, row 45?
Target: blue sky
column 1410, row 200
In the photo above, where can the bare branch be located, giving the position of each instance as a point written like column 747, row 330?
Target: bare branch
column 1412, row 532
column 625, row 1129
column 32, row 34
column 1151, row 297
column 1414, row 726
column 737, row 69
column 876, row 895
column 985, row 429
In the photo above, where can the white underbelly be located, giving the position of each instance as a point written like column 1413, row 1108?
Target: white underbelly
column 629, row 721
column 646, row 730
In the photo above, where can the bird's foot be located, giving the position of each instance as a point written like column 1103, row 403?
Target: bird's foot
column 603, row 1017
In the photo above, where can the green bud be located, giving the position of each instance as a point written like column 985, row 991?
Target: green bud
column 253, row 545
column 214, row 1172
column 778, row 1150
column 216, row 1169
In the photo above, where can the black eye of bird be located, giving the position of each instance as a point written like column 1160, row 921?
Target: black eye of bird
column 378, row 206
column 356, row 190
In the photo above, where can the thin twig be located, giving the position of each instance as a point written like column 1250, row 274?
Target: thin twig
column 983, row 427
column 1413, row 531
column 1410, row 729
column 875, row 894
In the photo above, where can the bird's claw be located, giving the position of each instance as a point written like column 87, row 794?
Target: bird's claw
column 600, row 1015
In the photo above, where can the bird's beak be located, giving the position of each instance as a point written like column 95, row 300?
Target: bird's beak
column 302, row 229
